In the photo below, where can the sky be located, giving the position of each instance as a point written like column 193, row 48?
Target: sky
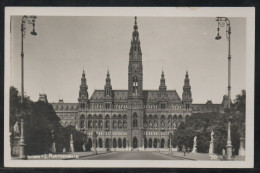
column 55, row 58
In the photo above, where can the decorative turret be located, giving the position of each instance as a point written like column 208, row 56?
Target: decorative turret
column 108, row 93
column 162, row 86
column 108, row 86
column 135, row 67
column 43, row 98
column 186, row 95
column 83, row 92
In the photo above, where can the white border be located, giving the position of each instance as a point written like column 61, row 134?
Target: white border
column 247, row 12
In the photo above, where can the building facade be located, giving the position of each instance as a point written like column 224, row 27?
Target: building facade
column 131, row 119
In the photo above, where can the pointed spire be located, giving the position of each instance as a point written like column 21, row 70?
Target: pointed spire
column 108, row 72
column 162, row 86
column 83, row 92
column 135, row 26
column 162, row 76
column 83, row 78
column 135, row 42
column 187, row 80
column 162, row 82
column 108, row 78
column 108, row 86
column 83, row 74
column 186, row 94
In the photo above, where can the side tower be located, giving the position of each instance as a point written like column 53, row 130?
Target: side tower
column 135, row 91
column 163, row 95
column 186, row 94
column 108, row 93
column 83, row 103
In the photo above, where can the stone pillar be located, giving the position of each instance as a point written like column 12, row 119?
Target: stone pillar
column 95, row 143
column 211, row 145
column 83, row 147
column 22, row 144
column 143, row 143
column 229, row 145
column 241, row 151
column 170, row 146
column 53, row 147
column 127, row 145
column 194, row 150
column 158, row 145
column 15, row 146
column 71, row 144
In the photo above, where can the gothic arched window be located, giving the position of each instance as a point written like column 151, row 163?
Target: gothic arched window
column 125, row 124
column 155, row 124
column 162, row 121
column 100, row 124
column 107, row 124
column 135, row 85
column 89, row 124
column 82, row 121
column 114, row 124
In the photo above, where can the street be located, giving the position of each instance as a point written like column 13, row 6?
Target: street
column 132, row 156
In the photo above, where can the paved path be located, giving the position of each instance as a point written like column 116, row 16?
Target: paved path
column 131, row 156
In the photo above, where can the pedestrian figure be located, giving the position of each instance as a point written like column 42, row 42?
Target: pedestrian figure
column 224, row 154
column 184, row 150
column 64, row 150
column 188, row 150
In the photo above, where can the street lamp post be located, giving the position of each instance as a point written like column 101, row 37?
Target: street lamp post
column 28, row 20
column 225, row 22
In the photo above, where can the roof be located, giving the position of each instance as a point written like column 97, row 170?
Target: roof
column 65, row 106
column 148, row 95
column 116, row 95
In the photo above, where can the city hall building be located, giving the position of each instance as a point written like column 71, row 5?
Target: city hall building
column 134, row 118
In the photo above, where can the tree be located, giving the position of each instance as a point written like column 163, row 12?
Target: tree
column 39, row 126
column 201, row 125
column 78, row 138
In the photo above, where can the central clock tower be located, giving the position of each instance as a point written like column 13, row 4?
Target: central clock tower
column 135, row 66
column 135, row 93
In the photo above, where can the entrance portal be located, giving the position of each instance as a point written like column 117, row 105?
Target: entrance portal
column 135, row 142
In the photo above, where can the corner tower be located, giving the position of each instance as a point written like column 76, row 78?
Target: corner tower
column 83, row 93
column 108, row 92
column 186, row 94
column 163, row 95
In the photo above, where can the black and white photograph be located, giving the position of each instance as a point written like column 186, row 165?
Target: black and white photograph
column 129, row 87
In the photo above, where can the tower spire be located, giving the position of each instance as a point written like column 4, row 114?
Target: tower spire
column 186, row 94
column 135, row 49
column 108, row 86
column 108, row 78
column 162, row 86
column 83, row 91
column 135, row 26
column 135, row 67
